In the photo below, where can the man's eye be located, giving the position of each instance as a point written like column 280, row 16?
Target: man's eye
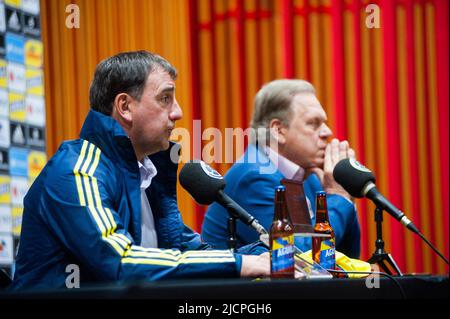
column 165, row 99
column 314, row 123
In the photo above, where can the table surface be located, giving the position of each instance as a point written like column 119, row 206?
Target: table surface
column 406, row 287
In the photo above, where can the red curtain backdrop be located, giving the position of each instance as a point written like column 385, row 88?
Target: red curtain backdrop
column 385, row 90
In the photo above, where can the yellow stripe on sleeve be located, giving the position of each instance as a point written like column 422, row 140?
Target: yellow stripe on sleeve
column 122, row 244
column 172, row 263
column 77, row 174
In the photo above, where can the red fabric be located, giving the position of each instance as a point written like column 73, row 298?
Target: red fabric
column 385, row 156
column 242, row 66
column 363, row 219
column 442, row 57
column 413, row 141
column 388, row 27
column 194, row 28
column 288, row 44
column 338, row 71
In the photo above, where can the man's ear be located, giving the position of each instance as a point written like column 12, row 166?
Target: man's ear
column 122, row 106
column 277, row 131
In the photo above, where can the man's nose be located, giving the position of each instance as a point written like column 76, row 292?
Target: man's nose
column 325, row 132
column 176, row 112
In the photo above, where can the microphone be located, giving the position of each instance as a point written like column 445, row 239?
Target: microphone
column 206, row 186
column 359, row 182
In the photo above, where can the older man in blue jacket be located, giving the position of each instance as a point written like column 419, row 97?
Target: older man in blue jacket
column 290, row 141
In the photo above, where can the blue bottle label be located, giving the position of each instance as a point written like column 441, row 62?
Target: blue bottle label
column 327, row 254
column 282, row 254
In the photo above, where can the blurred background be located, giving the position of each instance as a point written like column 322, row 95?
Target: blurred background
column 381, row 73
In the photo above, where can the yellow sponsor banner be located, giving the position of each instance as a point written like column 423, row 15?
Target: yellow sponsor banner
column 16, row 214
column 36, row 162
column 5, row 194
column 35, row 81
column 14, row 3
column 3, row 74
column 34, row 53
column 17, row 107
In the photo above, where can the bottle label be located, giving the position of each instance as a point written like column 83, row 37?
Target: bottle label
column 282, row 254
column 327, row 254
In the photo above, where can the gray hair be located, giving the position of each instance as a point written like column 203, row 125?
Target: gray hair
column 273, row 101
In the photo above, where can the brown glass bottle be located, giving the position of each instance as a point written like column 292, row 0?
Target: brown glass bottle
column 281, row 238
column 323, row 248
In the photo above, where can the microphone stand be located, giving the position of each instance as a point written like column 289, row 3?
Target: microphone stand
column 380, row 257
column 232, row 240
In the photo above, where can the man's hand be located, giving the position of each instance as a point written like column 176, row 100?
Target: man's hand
column 255, row 266
column 334, row 152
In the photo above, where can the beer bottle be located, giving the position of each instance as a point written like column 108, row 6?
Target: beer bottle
column 281, row 238
column 323, row 248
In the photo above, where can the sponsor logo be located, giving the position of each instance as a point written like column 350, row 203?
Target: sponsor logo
column 34, row 81
column 4, row 103
column 17, row 107
column 35, row 107
column 30, row 6
column 327, row 258
column 2, row 44
column 17, row 213
column 6, row 249
column 36, row 162
column 34, row 53
column 18, row 134
column 357, row 165
column 4, row 160
column 4, row 132
column 3, row 74
column 5, row 195
column 36, row 137
column 15, row 48
column 31, row 25
column 5, row 219
column 13, row 20
column 18, row 161
column 210, row 171
column 19, row 187
column 2, row 18
column 13, row 3
column 282, row 254
column 16, row 77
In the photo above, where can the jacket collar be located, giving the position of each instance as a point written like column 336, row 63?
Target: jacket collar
column 255, row 155
column 107, row 134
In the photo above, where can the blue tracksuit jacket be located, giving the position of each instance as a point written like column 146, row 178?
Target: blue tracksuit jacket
column 254, row 191
column 84, row 209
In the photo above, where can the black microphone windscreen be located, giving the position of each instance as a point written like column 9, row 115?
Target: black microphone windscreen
column 352, row 176
column 201, row 181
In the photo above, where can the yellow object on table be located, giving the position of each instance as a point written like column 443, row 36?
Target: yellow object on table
column 345, row 263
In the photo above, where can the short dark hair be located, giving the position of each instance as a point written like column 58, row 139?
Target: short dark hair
column 125, row 72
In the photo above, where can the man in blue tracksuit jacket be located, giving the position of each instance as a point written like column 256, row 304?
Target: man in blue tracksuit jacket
column 290, row 141
column 84, row 209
